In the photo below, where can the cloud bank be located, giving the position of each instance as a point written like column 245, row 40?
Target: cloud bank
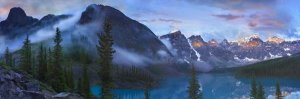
column 219, row 19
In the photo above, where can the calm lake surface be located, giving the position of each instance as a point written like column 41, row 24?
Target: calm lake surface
column 215, row 86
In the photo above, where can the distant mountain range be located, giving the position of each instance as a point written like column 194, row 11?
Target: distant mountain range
column 244, row 51
column 136, row 44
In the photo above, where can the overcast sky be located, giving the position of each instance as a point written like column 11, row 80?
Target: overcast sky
column 219, row 19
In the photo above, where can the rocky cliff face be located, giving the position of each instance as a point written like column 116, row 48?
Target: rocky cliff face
column 16, row 85
column 181, row 44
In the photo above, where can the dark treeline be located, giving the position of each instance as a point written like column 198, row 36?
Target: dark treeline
column 280, row 67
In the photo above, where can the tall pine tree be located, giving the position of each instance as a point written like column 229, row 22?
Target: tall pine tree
column 147, row 86
column 58, row 82
column 69, row 75
column 105, row 52
column 253, row 94
column 34, row 67
column 147, row 91
column 26, row 57
column 50, row 70
column 79, row 86
column 194, row 86
column 278, row 91
column 8, row 58
column 42, row 64
column 86, row 83
column 260, row 92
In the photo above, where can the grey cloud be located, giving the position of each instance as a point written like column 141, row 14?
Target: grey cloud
column 162, row 20
column 270, row 22
column 228, row 16
column 235, row 4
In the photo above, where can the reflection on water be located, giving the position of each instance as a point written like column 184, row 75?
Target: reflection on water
column 215, row 86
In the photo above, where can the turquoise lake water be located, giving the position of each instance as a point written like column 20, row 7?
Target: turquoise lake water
column 215, row 86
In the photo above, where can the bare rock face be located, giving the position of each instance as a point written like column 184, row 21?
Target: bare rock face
column 181, row 44
column 14, row 85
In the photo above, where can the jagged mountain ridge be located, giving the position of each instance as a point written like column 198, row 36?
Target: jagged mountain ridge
column 18, row 23
column 242, row 52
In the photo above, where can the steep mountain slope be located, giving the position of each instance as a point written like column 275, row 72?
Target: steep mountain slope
column 180, row 45
column 127, row 33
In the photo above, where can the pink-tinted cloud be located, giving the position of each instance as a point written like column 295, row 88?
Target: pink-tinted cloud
column 258, row 15
column 238, row 5
column 228, row 17
column 272, row 21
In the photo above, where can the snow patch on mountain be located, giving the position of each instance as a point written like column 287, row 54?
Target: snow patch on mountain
column 169, row 46
column 286, row 49
column 274, row 56
column 246, row 59
column 187, row 61
column 174, row 30
column 197, row 54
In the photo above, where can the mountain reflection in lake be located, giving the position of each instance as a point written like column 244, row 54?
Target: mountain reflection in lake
column 215, row 86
